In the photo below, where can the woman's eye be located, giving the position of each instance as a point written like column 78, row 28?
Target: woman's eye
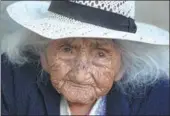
column 67, row 49
column 101, row 54
column 67, row 52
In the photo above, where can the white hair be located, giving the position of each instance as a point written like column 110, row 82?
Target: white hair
column 142, row 64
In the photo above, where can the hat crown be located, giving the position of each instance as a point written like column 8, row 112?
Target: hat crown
column 125, row 8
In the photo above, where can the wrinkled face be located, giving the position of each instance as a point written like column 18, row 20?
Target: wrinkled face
column 82, row 69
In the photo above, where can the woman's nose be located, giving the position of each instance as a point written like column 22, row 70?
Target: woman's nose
column 80, row 72
column 80, row 76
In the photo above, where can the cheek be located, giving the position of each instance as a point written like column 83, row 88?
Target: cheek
column 104, row 78
column 106, row 75
column 104, row 81
column 58, row 68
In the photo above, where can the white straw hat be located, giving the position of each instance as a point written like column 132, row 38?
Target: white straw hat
column 81, row 18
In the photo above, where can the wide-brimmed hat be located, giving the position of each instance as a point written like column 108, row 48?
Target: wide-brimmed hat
column 82, row 18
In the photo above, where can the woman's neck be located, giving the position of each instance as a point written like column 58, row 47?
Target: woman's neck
column 80, row 109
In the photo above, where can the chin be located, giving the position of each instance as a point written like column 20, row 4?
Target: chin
column 80, row 100
column 79, row 95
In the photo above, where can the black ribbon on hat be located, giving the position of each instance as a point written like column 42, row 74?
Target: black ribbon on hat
column 93, row 16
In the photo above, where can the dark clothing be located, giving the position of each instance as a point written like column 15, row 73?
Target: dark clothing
column 26, row 92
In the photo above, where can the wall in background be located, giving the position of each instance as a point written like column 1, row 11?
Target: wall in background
column 153, row 12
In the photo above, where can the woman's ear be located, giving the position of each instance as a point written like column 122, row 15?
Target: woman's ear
column 44, row 63
column 120, row 72
column 119, row 76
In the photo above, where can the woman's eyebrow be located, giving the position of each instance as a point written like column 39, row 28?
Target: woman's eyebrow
column 99, row 43
column 68, row 41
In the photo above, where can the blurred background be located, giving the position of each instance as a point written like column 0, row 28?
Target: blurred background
column 153, row 12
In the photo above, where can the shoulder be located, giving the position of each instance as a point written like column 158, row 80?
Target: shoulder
column 22, row 74
column 18, row 83
column 156, row 100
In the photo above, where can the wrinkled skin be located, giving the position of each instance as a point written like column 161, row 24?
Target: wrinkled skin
column 82, row 69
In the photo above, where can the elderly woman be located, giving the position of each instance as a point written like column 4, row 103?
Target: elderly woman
column 83, row 58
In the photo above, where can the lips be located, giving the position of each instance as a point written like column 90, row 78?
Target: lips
column 77, row 85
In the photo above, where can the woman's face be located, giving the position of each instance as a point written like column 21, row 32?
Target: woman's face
column 82, row 69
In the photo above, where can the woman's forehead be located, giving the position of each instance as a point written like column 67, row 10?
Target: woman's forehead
column 84, row 41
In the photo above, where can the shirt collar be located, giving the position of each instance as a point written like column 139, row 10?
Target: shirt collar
column 99, row 108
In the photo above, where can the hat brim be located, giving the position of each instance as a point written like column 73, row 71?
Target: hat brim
column 34, row 15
